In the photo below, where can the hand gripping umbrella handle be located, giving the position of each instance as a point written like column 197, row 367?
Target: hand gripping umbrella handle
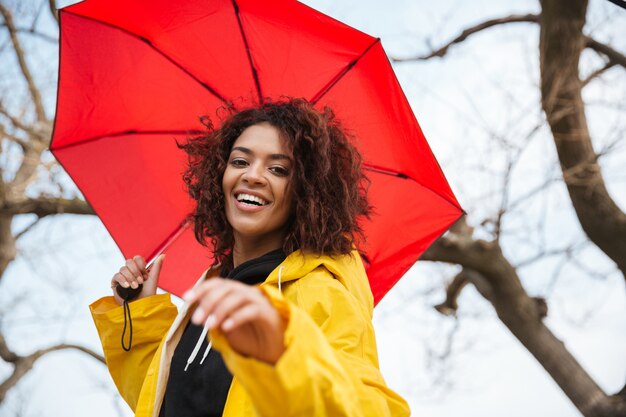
column 128, row 294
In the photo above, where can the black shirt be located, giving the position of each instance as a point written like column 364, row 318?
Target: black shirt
column 201, row 391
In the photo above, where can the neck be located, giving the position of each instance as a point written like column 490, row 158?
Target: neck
column 247, row 249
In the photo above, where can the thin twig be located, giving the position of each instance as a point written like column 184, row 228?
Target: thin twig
column 53, row 10
column 26, row 229
column 598, row 72
column 18, row 124
column 21, row 142
column 33, row 32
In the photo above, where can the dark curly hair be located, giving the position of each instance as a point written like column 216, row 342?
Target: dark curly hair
column 327, row 182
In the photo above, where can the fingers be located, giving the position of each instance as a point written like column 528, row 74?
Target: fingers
column 223, row 308
column 135, row 271
column 124, row 277
column 140, row 265
column 200, row 291
column 132, row 273
column 247, row 313
column 207, row 296
column 227, row 303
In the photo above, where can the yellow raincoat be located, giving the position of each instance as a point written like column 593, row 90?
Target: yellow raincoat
column 329, row 367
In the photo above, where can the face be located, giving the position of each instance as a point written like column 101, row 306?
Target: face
column 256, row 186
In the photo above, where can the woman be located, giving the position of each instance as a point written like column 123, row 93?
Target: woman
column 279, row 193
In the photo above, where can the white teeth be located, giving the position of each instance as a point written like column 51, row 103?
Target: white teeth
column 253, row 198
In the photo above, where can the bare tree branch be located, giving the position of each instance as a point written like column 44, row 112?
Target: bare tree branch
column 53, row 10
column 453, row 290
column 614, row 56
column 495, row 278
column 17, row 123
column 19, row 52
column 442, row 51
column 5, row 353
column 21, row 142
column 65, row 346
column 47, row 206
column 23, row 364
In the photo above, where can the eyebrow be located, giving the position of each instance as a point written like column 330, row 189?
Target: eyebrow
column 274, row 156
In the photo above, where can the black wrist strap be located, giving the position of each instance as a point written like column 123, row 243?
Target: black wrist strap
column 130, row 327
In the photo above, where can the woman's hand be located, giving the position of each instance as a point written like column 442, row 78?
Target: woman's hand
column 134, row 273
column 243, row 314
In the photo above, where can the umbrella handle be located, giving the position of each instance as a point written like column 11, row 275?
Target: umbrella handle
column 128, row 294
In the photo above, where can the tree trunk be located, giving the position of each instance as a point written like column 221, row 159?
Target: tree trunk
column 7, row 243
column 561, row 42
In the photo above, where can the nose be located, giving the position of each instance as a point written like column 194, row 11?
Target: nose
column 254, row 174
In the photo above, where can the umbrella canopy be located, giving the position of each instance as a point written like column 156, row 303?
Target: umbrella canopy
column 135, row 76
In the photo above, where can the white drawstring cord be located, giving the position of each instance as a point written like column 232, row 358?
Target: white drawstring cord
column 205, row 330
column 280, row 280
column 199, row 343
column 206, row 352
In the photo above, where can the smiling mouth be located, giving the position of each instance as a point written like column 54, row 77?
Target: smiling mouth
column 251, row 199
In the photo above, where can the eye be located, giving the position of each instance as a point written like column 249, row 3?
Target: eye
column 279, row 170
column 238, row 162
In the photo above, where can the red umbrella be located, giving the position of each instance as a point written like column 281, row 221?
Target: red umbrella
column 135, row 76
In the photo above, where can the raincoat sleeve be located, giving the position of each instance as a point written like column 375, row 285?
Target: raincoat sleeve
column 330, row 365
column 151, row 317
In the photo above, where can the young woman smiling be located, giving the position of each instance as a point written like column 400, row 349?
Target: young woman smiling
column 283, row 317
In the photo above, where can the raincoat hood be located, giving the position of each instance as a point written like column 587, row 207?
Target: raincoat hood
column 347, row 269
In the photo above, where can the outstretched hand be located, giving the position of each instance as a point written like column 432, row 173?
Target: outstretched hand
column 250, row 323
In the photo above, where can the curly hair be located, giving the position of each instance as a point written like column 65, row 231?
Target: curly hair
column 327, row 182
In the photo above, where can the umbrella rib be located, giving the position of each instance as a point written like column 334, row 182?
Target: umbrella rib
column 130, row 132
column 392, row 173
column 343, row 72
column 385, row 171
column 255, row 74
column 184, row 225
column 147, row 42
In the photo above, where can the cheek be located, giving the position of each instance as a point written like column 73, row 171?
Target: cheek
column 288, row 200
column 226, row 180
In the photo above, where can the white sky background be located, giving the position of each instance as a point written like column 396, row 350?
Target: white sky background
column 485, row 88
